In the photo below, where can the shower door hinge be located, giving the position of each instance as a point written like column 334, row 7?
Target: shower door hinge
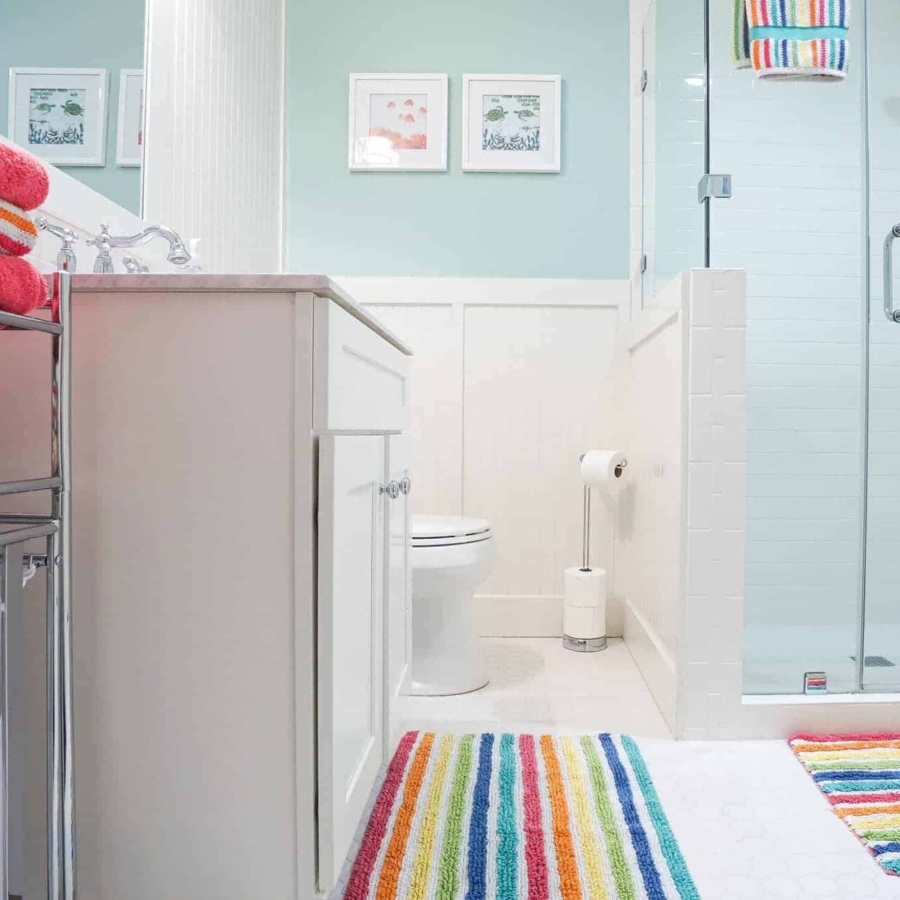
column 643, row 264
column 645, row 80
column 717, row 186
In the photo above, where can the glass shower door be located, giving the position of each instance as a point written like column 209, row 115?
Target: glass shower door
column 880, row 669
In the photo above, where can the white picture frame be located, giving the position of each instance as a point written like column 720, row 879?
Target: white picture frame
column 130, row 125
column 512, row 123
column 60, row 114
column 397, row 122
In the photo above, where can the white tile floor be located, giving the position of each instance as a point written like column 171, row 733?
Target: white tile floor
column 536, row 685
column 749, row 820
column 753, row 826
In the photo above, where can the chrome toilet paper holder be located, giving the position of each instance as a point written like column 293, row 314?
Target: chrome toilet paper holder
column 586, row 527
column 588, row 645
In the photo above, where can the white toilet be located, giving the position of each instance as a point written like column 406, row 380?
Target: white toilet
column 451, row 556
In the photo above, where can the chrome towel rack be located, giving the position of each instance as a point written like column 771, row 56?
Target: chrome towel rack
column 56, row 530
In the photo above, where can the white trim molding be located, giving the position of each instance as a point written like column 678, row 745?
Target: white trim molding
column 423, row 291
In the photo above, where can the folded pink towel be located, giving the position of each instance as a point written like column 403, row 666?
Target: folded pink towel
column 22, row 287
column 23, row 179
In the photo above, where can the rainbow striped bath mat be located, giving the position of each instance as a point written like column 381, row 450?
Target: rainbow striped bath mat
column 516, row 817
column 860, row 776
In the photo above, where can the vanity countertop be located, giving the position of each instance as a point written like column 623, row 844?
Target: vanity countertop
column 201, row 282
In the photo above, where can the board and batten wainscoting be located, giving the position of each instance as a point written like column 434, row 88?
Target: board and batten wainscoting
column 509, row 385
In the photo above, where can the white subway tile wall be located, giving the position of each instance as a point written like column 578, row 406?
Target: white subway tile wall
column 709, row 666
column 794, row 150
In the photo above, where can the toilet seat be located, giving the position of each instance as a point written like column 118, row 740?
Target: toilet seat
column 448, row 531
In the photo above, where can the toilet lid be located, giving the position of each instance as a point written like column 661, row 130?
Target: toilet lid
column 448, row 529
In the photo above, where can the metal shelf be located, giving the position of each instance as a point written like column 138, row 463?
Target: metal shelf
column 29, row 486
column 56, row 530
column 30, row 323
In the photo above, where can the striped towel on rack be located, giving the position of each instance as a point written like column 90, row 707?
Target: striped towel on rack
column 799, row 38
column 740, row 44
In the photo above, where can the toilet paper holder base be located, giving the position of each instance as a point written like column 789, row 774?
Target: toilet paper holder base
column 584, row 645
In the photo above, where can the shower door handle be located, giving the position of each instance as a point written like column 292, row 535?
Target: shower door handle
column 892, row 314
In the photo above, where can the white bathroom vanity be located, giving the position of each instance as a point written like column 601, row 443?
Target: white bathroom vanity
column 241, row 579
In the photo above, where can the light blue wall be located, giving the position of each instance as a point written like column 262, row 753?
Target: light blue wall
column 95, row 34
column 571, row 225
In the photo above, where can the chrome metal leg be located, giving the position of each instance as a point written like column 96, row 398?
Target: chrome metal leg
column 54, row 724
column 11, row 587
column 62, row 445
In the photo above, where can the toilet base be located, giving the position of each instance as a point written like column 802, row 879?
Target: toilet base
column 424, row 689
column 447, row 654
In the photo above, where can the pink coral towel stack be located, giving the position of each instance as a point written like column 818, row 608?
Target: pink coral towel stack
column 24, row 185
column 23, row 179
column 22, row 287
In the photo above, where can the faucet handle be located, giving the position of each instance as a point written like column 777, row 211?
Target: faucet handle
column 103, row 264
column 133, row 267
column 66, row 235
column 101, row 239
column 65, row 259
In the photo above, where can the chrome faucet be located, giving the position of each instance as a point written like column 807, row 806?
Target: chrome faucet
column 178, row 254
column 65, row 259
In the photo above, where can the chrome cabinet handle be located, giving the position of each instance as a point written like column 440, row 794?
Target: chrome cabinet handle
column 405, row 485
column 392, row 489
column 892, row 314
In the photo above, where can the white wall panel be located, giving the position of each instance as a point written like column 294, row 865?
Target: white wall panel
column 536, row 393
column 214, row 103
column 650, row 423
column 435, row 334
column 509, row 385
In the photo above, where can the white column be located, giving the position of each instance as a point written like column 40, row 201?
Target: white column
column 214, row 128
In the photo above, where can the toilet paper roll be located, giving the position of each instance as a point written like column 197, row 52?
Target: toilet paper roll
column 603, row 469
column 586, row 588
column 584, row 622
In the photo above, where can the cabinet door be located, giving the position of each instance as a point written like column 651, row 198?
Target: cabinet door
column 350, row 639
column 399, row 590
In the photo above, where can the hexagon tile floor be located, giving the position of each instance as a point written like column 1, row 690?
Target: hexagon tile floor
column 753, row 826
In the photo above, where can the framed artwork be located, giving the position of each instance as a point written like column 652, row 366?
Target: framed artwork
column 60, row 114
column 511, row 123
column 398, row 123
column 130, row 129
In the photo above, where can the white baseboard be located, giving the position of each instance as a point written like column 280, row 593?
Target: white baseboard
column 518, row 615
column 655, row 663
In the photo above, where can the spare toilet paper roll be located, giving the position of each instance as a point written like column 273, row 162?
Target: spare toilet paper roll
column 584, row 622
column 584, row 610
column 603, row 469
column 586, row 588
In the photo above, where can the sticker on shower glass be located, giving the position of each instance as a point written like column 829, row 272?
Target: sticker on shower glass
column 815, row 683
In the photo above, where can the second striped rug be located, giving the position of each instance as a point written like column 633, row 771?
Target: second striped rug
column 516, row 817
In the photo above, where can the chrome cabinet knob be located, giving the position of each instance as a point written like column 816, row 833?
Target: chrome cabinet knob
column 405, row 485
column 392, row 489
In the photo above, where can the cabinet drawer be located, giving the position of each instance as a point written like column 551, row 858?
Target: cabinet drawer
column 361, row 380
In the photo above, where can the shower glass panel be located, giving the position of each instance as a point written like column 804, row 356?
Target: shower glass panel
column 674, row 142
column 881, row 669
column 796, row 223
